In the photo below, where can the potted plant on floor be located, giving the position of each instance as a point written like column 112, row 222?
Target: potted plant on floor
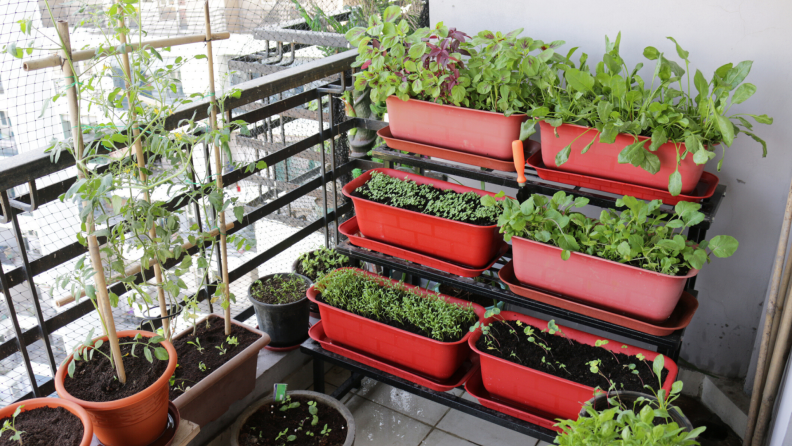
column 554, row 369
column 631, row 418
column 45, row 422
column 434, row 97
column 429, row 216
column 403, row 324
column 281, row 308
column 634, row 262
column 302, row 418
column 658, row 136
column 314, row 264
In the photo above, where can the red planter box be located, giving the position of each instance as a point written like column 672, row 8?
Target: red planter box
column 438, row 360
column 467, row 130
column 617, row 287
column 602, row 160
column 557, row 396
column 453, row 241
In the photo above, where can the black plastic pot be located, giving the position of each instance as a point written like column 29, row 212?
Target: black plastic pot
column 286, row 324
column 628, row 398
column 314, row 309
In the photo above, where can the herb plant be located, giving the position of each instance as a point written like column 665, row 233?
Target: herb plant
column 641, row 236
column 647, row 422
column 427, row 199
column 396, row 305
column 9, row 425
column 314, row 264
column 86, row 350
column 279, row 289
column 616, row 100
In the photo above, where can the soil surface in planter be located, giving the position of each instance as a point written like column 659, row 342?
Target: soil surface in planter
column 45, row 426
column 210, row 337
column 279, row 290
column 269, row 422
column 96, row 381
column 465, row 202
column 573, row 355
column 465, row 295
column 322, row 266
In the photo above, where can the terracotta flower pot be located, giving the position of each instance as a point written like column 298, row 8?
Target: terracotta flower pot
column 453, row 241
column 136, row 420
column 211, row 397
column 320, row 397
column 548, row 393
column 467, row 130
column 602, row 160
column 38, row 403
column 614, row 286
column 438, row 360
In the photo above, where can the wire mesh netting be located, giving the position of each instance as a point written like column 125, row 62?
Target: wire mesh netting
column 266, row 36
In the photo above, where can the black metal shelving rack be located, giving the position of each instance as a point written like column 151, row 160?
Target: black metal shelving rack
column 668, row 345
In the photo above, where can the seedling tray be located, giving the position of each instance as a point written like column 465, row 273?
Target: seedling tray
column 449, row 154
column 475, row 387
column 350, row 229
column 705, row 189
column 465, row 371
column 680, row 317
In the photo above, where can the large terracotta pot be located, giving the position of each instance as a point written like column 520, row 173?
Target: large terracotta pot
column 136, row 420
column 38, row 403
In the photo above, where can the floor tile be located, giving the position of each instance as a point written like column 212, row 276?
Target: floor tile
column 337, row 375
column 378, row 426
column 481, row 432
column 403, row 402
column 440, row 438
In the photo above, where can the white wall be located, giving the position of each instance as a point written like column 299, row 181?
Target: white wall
column 721, row 336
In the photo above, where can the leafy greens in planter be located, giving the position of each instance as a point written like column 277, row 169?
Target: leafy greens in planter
column 406, row 194
column 428, row 64
column 642, row 235
column 398, row 306
column 616, row 100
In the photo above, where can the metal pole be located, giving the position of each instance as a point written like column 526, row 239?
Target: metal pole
column 324, row 178
column 332, row 163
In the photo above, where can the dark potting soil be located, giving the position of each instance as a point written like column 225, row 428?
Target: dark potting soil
column 210, row 337
column 268, row 422
column 96, row 380
column 470, row 201
column 321, row 266
column 465, row 295
column 570, row 353
column 45, row 426
column 280, row 289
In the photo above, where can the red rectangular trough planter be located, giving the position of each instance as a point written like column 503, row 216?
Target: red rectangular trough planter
column 617, row 287
column 602, row 160
column 453, row 241
column 553, row 395
column 464, row 129
column 435, row 359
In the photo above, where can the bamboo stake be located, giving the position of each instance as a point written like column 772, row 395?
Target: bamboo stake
column 136, row 267
column 93, row 245
column 765, row 345
column 54, row 60
column 141, row 162
column 218, row 172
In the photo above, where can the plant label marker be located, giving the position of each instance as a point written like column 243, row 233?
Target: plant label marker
column 279, row 389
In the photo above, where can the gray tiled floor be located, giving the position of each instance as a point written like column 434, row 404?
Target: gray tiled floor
column 388, row 416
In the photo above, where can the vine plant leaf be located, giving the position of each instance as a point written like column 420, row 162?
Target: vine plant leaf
column 723, row 245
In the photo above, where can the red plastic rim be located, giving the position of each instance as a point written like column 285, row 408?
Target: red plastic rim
column 350, row 229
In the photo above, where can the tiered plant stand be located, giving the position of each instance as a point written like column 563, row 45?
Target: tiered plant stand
column 669, row 345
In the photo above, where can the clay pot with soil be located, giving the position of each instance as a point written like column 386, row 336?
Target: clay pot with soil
column 132, row 413
column 45, row 422
column 281, row 307
column 304, row 418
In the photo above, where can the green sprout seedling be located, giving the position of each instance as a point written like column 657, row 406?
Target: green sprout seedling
column 202, row 367
column 222, row 349
column 197, row 345
column 313, row 410
column 10, row 426
column 232, row 340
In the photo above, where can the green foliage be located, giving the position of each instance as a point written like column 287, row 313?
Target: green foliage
column 279, row 289
column 642, row 235
column 447, row 204
column 647, row 422
column 361, row 294
column 85, row 351
column 616, row 100
column 318, row 262
column 9, row 425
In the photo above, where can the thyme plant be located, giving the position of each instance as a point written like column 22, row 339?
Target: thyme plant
column 641, row 235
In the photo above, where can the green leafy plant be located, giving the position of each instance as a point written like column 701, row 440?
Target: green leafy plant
column 202, row 367
column 197, row 345
column 279, row 289
column 647, row 422
column 86, row 350
column 425, row 198
column 314, row 264
column 9, row 425
column 616, row 100
column 361, row 294
column 642, row 235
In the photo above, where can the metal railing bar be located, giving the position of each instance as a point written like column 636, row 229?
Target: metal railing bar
column 21, row 347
